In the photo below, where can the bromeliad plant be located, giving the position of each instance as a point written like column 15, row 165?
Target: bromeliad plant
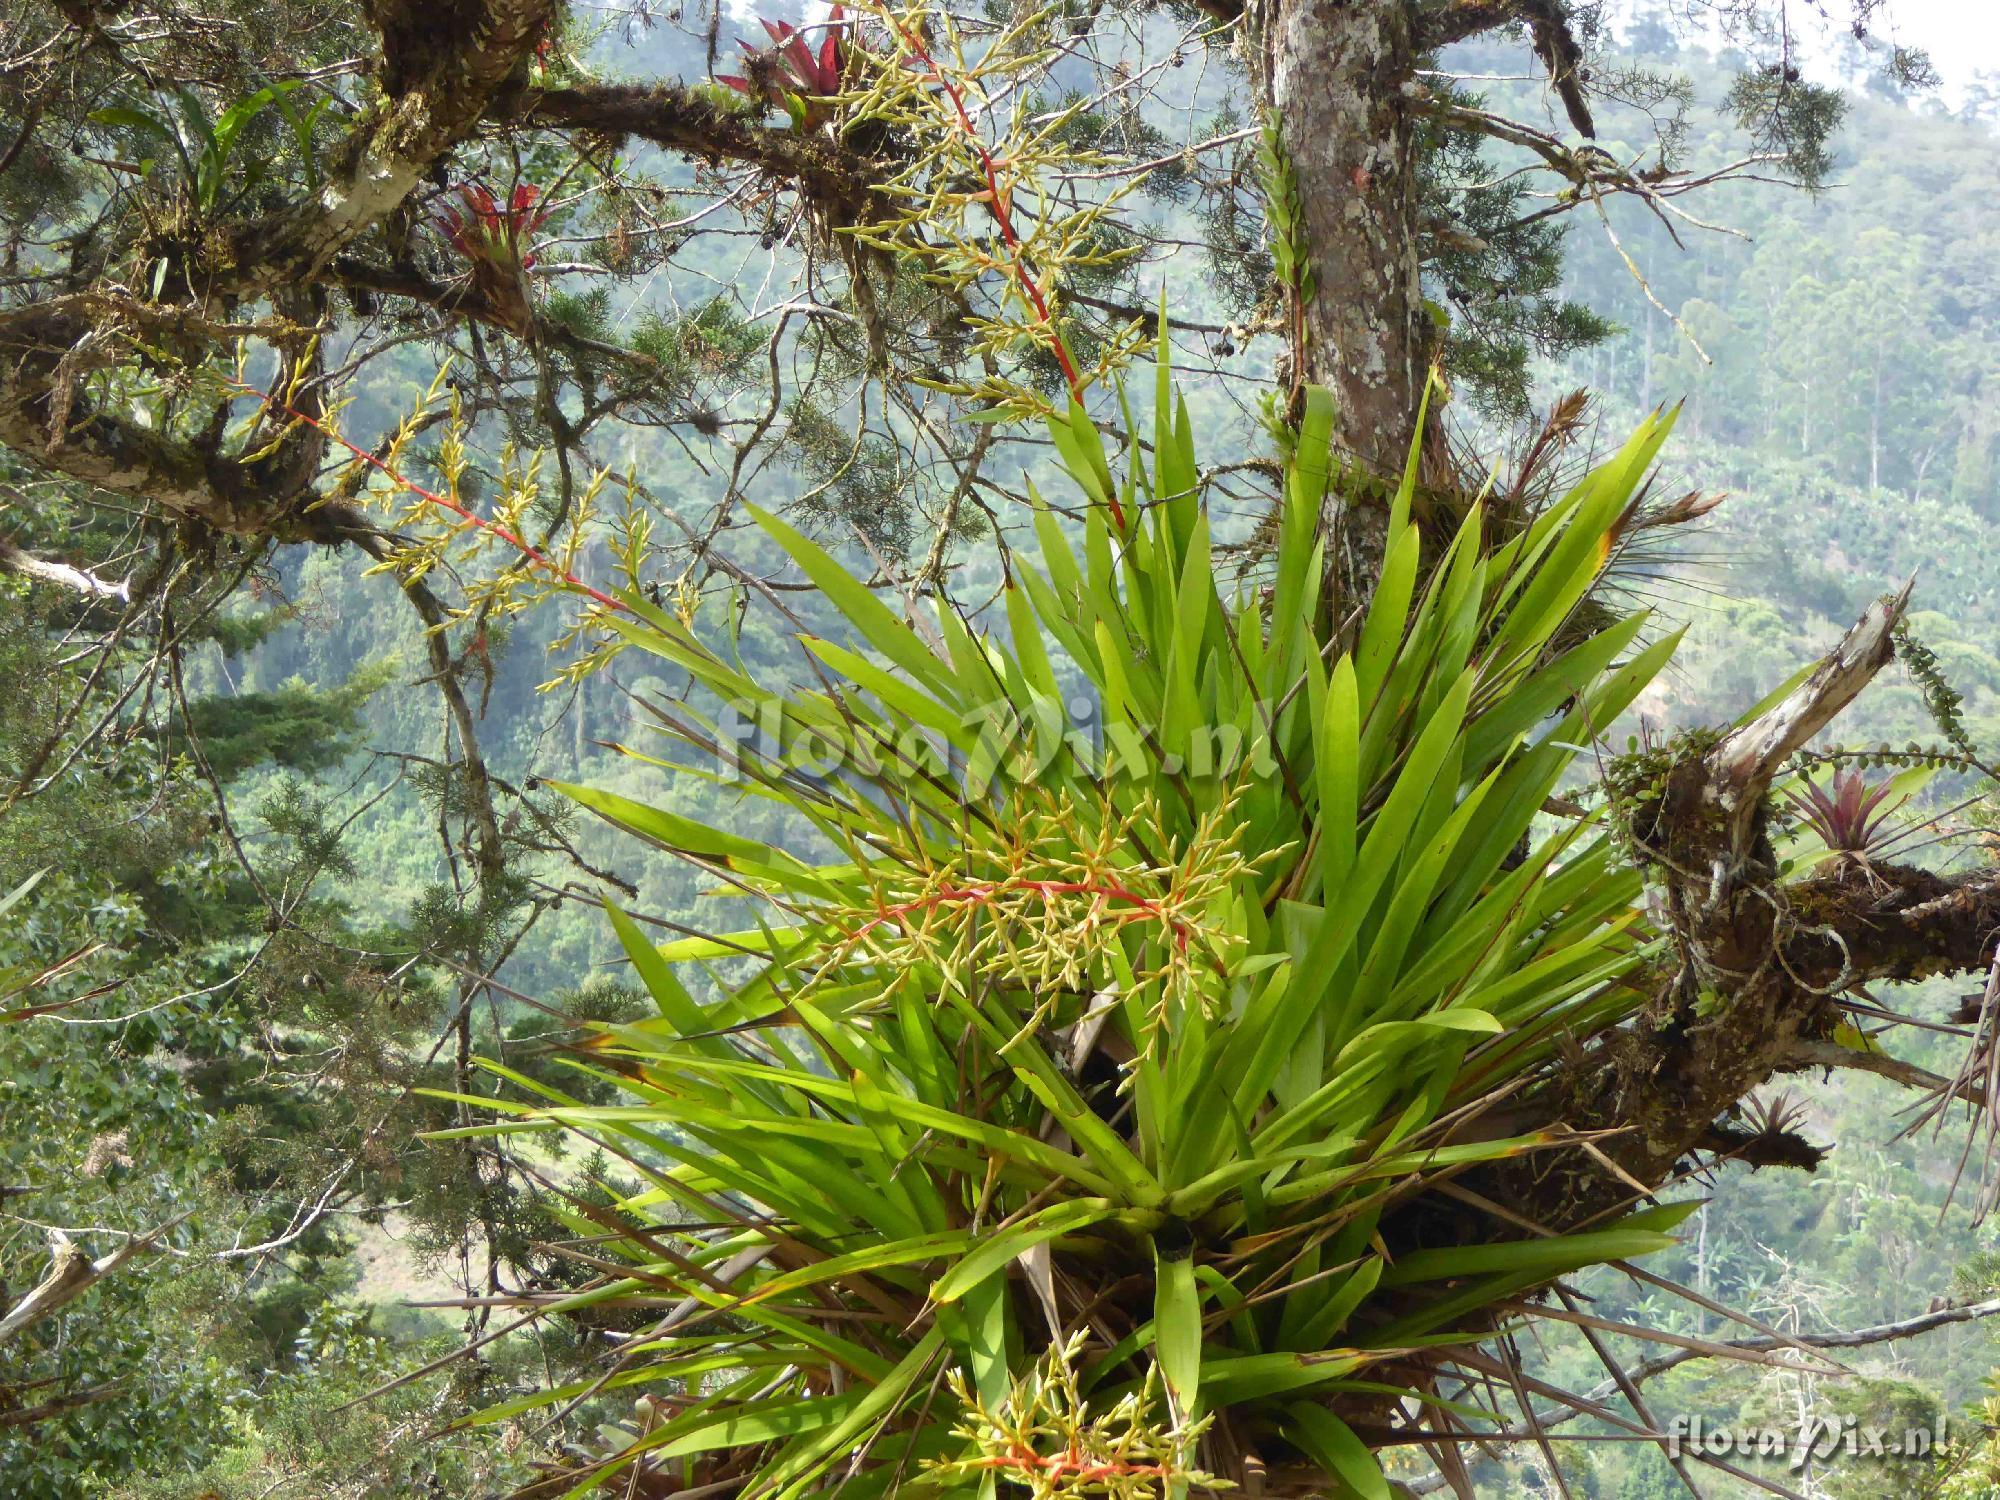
column 491, row 234
column 1849, row 816
column 790, row 75
column 1066, row 1129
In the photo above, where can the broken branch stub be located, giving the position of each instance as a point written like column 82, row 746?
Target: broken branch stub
column 1741, row 768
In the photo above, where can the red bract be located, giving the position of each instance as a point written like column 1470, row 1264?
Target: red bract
column 491, row 235
column 815, row 75
column 803, row 72
column 488, row 232
column 1852, row 816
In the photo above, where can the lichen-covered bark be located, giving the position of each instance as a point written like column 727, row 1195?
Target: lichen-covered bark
column 1338, row 74
column 46, row 355
column 835, row 176
column 390, row 148
column 48, row 350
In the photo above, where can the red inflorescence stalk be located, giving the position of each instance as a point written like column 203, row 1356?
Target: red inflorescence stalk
column 1003, row 218
column 431, row 497
column 995, row 199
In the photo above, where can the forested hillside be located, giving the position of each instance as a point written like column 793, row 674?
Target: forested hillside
column 1847, row 407
column 255, row 959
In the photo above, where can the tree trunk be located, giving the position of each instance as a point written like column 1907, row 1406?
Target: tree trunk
column 1875, row 425
column 1646, row 366
column 1336, row 75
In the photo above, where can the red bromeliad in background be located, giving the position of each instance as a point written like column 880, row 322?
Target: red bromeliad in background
column 1851, row 816
column 491, row 235
column 790, row 75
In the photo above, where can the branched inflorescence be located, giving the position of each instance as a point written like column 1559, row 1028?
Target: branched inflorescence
column 1044, row 1438
column 498, row 528
column 978, row 206
column 1045, row 898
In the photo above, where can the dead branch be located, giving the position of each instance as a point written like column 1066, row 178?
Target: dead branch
column 63, row 575
column 1741, row 768
column 72, row 1273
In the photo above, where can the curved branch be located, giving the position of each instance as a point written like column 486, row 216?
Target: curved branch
column 1890, row 922
column 1440, row 23
column 1756, row 959
column 1850, row 1338
column 388, row 152
column 462, row 299
column 77, row 580
column 47, row 349
column 1557, row 47
column 1881, row 1064
column 72, row 1273
column 834, row 176
column 1639, row 1374
column 44, row 354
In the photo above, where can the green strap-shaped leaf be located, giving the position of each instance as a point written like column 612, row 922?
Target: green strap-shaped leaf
column 1331, row 1444
column 997, row 1249
column 801, row 1464
column 875, row 621
column 1177, row 1337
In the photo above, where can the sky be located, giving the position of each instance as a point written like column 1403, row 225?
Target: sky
column 1962, row 36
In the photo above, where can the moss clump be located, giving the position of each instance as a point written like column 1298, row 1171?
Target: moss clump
column 1648, row 794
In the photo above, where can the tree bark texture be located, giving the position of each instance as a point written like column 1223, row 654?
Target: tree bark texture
column 1338, row 76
